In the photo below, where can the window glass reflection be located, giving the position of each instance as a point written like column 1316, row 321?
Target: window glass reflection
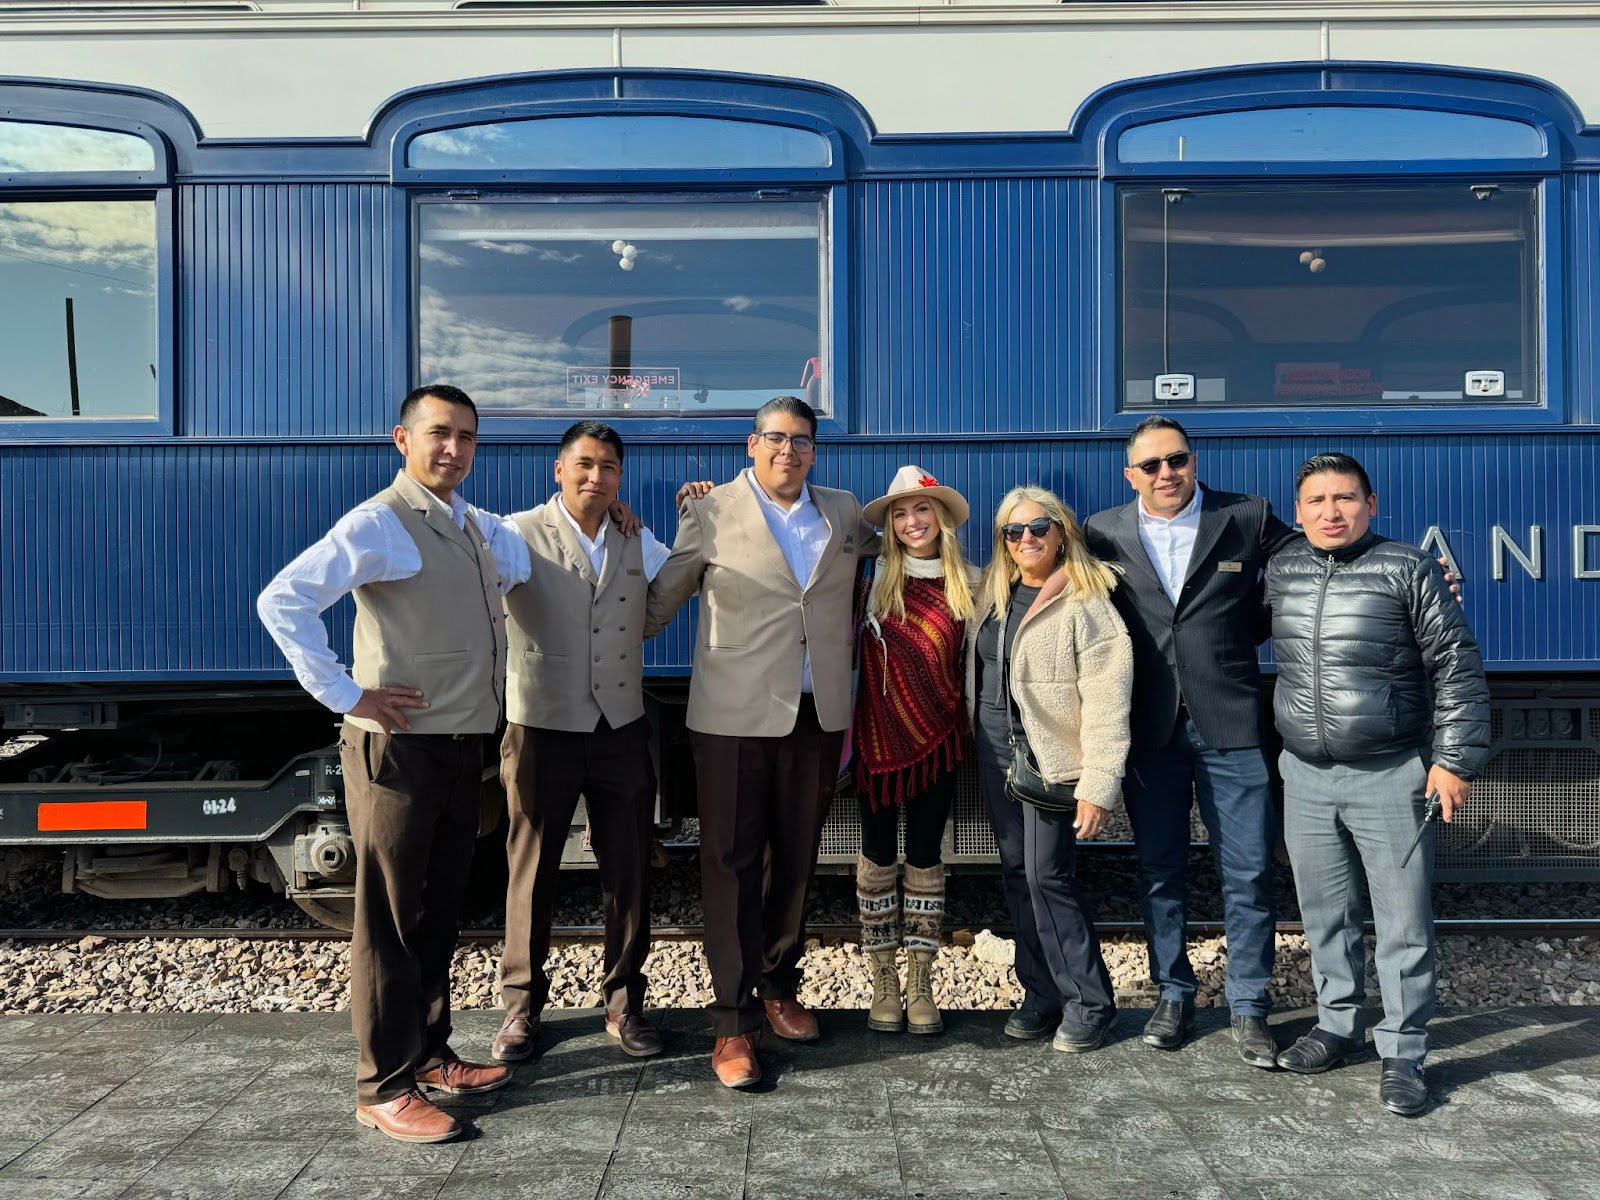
column 645, row 307
column 617, row 143
column 78, row 315
column 65, row 149
column 1329, row 134
column 1363, row 296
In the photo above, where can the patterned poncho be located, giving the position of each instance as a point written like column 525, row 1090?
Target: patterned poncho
column 910, row 722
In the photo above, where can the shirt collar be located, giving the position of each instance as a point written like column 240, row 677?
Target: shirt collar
column 598, row 539
column 769, row 502
column 1188, row 510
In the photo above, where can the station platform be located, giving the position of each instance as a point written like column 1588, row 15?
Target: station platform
column 260, row 1106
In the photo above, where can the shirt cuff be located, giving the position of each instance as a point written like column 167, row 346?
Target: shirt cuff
column 342, row 696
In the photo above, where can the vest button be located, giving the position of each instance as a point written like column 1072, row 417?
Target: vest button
column 620, row 629
column 597, row 629
column 802, row 640
column 620, row 599
column 597, row 658
column 597, row 687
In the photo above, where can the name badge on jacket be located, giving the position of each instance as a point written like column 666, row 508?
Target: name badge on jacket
column 1231, row 567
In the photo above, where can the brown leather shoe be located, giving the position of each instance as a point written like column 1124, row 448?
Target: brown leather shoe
column 409, row 1118
column 463, row 1078
column 515, row 1040
column 734, row 1061
column 792, row 1021
column 639, row 1038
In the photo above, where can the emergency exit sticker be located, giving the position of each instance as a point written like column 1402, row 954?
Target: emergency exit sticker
column 637, row 387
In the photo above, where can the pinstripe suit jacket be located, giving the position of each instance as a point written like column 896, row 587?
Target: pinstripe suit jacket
column 1201, row 651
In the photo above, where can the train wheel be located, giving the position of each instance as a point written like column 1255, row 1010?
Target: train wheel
column 336, row 912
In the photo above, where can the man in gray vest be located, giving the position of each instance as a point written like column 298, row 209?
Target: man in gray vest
column 577, row 728
column 428, row 682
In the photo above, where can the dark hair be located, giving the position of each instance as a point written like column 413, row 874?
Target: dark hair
column 1152, row 423
column 439, row 391
column 598, row 430
column 1332, row 464
column 792, row 405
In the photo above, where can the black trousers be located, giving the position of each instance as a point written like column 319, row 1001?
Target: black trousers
column 545, row 772
column 926, row 816
column 763, row 802
column 412, row 801
column 1058, row 952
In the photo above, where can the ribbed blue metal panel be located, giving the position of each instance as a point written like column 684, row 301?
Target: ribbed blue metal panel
column 1583, row 298
column 976, row 306
column 169, row 545
column 282, row 304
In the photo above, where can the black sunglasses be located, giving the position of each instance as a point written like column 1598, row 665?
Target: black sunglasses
column 1177, row 461
column 1039, row 526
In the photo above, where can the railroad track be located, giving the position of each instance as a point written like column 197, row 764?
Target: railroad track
column 1517, row 927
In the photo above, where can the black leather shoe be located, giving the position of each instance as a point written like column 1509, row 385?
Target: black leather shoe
column 1317, row 1051
column 1030, row 1026
column 1170, row 1025
column 639, row 1038
column 1403, row 1089
column 1255, row 1042
column 1073, row 1038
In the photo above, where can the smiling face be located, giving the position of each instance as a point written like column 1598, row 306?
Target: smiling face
column 781, row 469
column 590, row 474
column 915, row 522
column 438, row 444
column 1168, row 489
column 1035, row 556
column 1334, row 509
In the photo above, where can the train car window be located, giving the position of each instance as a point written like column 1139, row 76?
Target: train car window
column 1329, row 134
column 34, row 148
column 662, row 306
column 79, row 305
column 632, row 143
column 1329, row 295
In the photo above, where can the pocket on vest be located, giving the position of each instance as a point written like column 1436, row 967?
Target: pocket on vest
column 441, row 656
column 542, row 656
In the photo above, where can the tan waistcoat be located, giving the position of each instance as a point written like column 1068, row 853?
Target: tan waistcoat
column 443, row 630
column 577, row 639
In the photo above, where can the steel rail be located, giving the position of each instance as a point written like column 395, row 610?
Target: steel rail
column 1514, row 927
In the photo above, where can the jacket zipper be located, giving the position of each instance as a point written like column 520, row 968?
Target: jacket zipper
column 1316, row 660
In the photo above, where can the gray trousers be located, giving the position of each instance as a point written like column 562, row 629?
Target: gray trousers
column 1340, row 820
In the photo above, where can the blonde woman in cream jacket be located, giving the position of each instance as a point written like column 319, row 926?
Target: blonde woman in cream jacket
column 1045, row 626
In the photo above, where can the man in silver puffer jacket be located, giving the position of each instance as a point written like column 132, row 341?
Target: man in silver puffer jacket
column 1382, row 703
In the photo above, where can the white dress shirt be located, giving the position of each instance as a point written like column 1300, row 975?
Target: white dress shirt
column 367, row 545
column 655, row 554
column 802, row 534
column 1170, row 542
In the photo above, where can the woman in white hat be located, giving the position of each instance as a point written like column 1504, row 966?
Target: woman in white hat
column 909, row 733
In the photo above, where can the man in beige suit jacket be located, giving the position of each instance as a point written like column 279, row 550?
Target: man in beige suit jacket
column 774, row 561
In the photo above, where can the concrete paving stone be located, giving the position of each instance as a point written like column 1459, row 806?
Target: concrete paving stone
column 249, row 1125
column 651, row 1184
column 1518, row 1098
column 531, row 1182
column 1112, row 1119
column 51, row 1161
column 60, row 1189
column 819, row 1159
column 46, row 1031
column 12, row 1057
column 11, row 1147
column 1171, row 1163
column 385, row 1187
column 715, row 1152
column 846, row 1123
column 358, row 1153
column 131, row 1129
column 528, row 1138
column 37, row 1113
column 1002, row 1148
column 207, row 1170
column 1496, row 1185
column 1264, row 1153
column 1582, row 1184
column 153, row 1088
column 1554, row 1152
column 1145, row 1188
column 832, row 1180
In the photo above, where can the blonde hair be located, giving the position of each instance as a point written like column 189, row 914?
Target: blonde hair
column 1088, row 577
column 889, row 588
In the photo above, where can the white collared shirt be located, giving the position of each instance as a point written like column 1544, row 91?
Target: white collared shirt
column 655, row 554
column 1170, row 542
column 802, row 535
column 367, row 545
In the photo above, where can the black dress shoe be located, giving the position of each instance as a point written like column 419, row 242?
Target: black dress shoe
column 1403, row 1089
column 1317, row 1051
column 1073, row 1038
column 1030, row 1026
column 639, row 1038
column 1170, row 1025
column 1255, row 1042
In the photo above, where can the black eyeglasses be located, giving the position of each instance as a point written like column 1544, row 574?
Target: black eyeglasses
column 802, row 443
column 1177, row 461
column 1039, row 526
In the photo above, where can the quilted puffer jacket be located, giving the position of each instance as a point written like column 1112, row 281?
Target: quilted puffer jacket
column 1374, row 656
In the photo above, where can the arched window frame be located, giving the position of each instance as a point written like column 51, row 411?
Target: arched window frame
column 641, row 93
column 1218, row 93
column 102, row 110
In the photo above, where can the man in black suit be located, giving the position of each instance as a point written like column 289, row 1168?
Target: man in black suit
column 1190, row 596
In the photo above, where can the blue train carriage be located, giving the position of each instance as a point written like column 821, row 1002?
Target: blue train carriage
column 987, row 240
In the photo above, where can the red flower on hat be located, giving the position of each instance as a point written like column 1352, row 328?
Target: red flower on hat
column 928, row 481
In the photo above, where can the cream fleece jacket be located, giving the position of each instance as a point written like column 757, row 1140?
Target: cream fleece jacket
column 1072, row 680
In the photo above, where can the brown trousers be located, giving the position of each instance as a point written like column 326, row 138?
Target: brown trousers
column 545, row 771
column 763, row 802
column 412, row 801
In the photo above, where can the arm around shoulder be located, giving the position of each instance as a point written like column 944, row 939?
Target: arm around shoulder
column 679, row 577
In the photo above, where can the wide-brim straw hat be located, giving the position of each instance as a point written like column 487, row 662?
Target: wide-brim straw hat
column 914, row 481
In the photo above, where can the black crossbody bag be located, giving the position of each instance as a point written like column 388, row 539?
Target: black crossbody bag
column 1023, row 781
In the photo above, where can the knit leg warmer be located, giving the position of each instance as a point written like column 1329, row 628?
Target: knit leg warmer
column 924, row 907
column 878, row 898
